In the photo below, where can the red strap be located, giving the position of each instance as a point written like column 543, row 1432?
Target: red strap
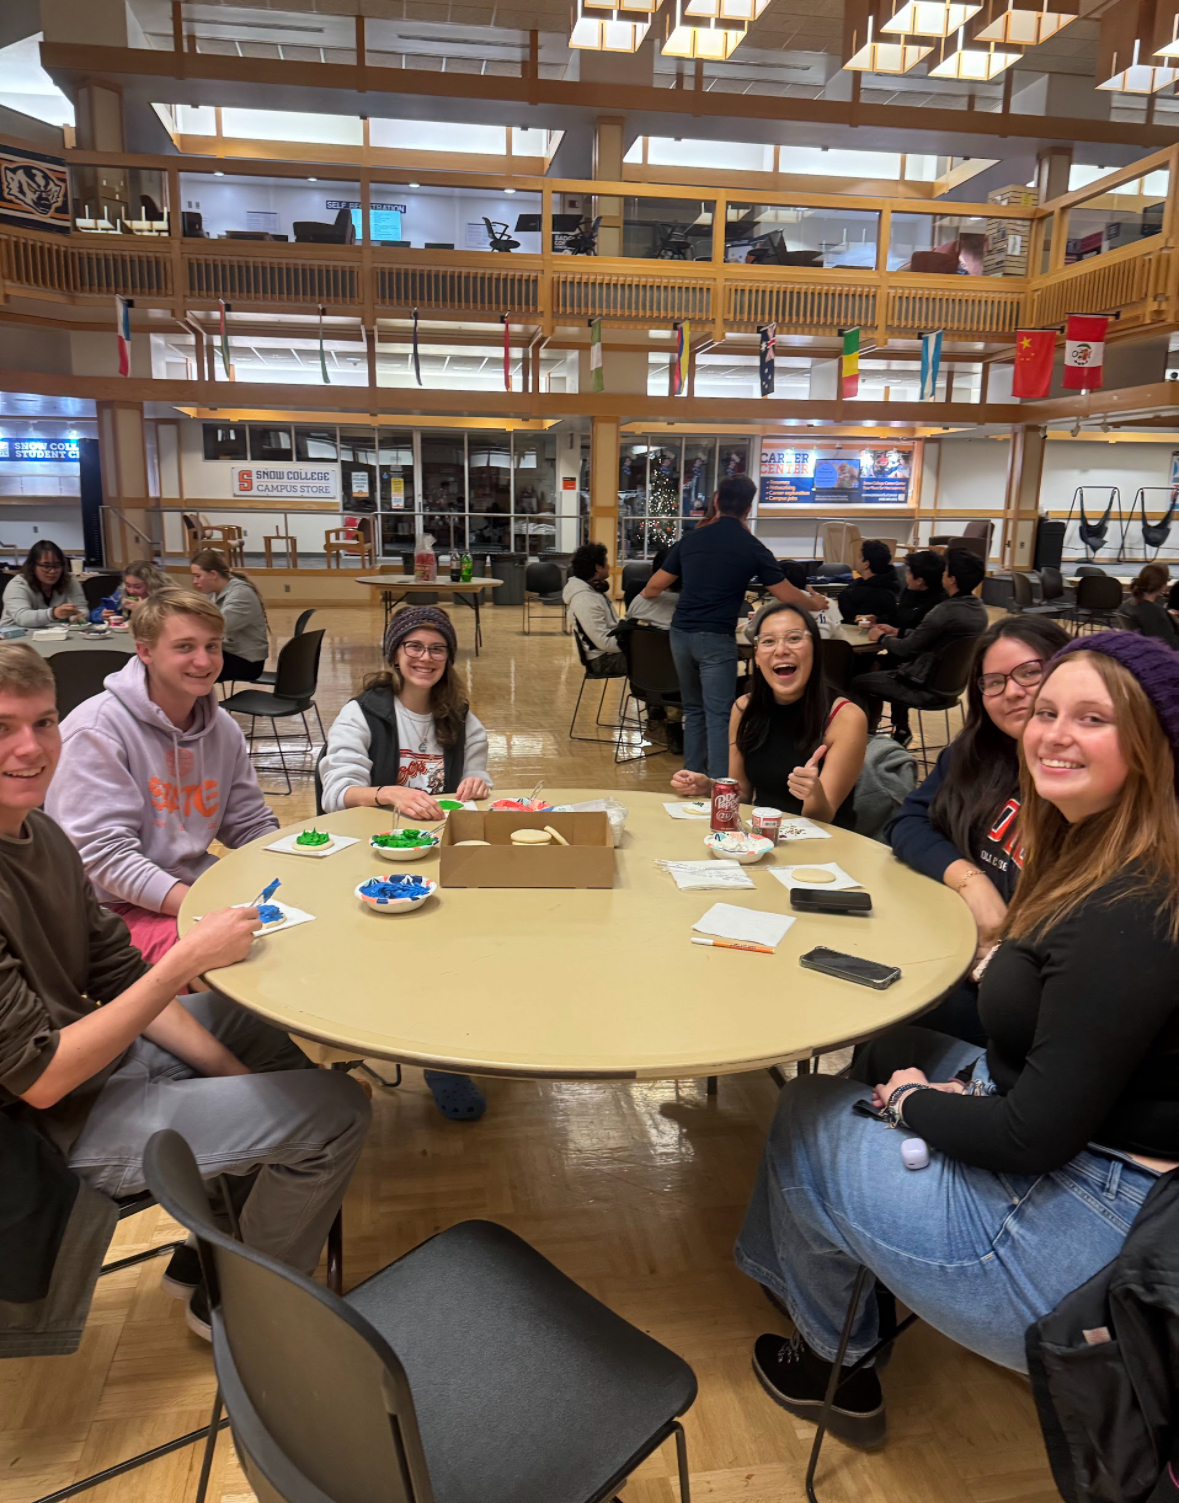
column 839, row 704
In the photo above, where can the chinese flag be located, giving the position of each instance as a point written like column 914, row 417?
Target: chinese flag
column 1035, row 350
column 1084, row 351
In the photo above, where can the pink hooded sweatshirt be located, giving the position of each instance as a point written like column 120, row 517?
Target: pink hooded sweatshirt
column 142, row 800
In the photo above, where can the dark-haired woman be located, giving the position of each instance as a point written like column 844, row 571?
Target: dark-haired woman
column 793, row 744
column 960, row 826
column 44, row 593
column 1144, row 607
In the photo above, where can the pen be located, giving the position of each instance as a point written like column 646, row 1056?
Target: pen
column 733, row 944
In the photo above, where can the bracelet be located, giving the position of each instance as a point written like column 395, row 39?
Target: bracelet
column 377, row 798
column 894, row 1110
column 974, row 872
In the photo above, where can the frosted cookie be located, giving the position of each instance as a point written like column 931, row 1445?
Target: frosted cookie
column 813, row 874
column 531, row 837
column 270, row 914
column 313, row 838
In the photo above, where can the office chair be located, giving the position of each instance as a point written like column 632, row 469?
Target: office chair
column 674, row 244
column 584, row 241
column 341, row 231
column 498, row 235
column 192, row 225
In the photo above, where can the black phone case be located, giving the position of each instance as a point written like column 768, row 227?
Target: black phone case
column 808, row 901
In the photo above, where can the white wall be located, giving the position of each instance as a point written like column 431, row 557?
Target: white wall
column 973, row 474
column 1128, row 466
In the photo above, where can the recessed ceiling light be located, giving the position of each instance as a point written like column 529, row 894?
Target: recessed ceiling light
column 509, row 190
column 313, row 180
column 218, row 174
column 415, row 185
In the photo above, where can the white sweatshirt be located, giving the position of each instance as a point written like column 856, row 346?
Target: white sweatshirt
column 594, row 614
column 347, row 763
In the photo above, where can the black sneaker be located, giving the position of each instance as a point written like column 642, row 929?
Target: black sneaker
column 196, row 1317
column 183, row 1272
column 902, row 737
column 796, row 1378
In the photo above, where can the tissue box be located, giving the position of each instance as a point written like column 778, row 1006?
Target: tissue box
column 587, row 861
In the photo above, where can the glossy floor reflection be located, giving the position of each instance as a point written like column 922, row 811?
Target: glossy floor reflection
column 635, row 1190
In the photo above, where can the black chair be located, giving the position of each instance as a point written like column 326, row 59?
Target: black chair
column 79, row 674
column 542, row 586
column 295, row 682
column 1099, row 598
column 341, row 231
column 499, row 237
column 584, row 241
column 634, row 579
column 838, row 660
column 1054, row 599
column 596, row 669
column 942, row 689
column 192, row 225
column 268, row 675
column 1091, row 569
column 652, row 682
column 674, row 243
column 1023, row 592
column 97, row 587
column 555, row 1396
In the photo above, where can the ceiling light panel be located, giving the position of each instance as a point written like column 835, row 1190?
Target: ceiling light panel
column 929, row 18
column 1024, row 23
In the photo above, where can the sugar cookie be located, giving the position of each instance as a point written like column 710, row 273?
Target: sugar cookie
column 556, row 834
column 472, row 842
column 531, row 837
column 813, row 874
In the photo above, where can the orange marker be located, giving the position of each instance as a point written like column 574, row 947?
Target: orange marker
column 733, row 944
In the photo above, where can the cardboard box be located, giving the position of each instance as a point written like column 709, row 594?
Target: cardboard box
column 587, row 861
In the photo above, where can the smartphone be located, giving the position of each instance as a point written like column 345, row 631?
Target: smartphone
column 807, row 900
column 850, row 967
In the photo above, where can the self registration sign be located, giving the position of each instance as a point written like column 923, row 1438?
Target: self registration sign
column 834, row 476
column 285, row 482
column 39, row 449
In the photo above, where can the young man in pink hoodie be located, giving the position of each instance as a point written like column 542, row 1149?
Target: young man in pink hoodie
column 153, row 770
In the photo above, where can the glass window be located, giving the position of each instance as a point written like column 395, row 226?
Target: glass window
column 663, row 496
column 951, row 244
column 490, row 535
column 697, row 487
column 666, row 229
column 224, row 441
column 316, row 443
column 395, row 460
column 470, row 219
column 1131, row 211
column 358, row 468
column 781, row 235
column 489, row 472
column 269, row 443
column 444, row 490
column 534, row 458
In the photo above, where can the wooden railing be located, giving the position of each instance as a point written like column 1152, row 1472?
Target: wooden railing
column 1137, row 282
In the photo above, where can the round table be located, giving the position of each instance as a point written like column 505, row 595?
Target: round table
column 581, row 984
column 115, row 641
column 395, row 588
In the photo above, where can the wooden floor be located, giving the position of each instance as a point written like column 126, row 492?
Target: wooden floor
column 637, row 1191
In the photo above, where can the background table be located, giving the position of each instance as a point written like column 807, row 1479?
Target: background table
column 115, row 641
column 395, row 588
column 584, row 984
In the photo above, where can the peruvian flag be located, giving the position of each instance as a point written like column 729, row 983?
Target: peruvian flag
column 1035, row 350
column 1084, row 351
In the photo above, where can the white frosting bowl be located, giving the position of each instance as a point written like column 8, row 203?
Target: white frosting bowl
column 733, row 845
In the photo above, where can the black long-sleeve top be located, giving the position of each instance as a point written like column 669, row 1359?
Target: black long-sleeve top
column 1083, row 1031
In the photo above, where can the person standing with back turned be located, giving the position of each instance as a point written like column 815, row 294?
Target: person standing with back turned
column 715, row 564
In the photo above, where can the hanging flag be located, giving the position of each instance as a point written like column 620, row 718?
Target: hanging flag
column 931, row 361
column 323, row 370
column 765, row 357
column 417, row 363
column 597, row 373
column 679, row 360
column 225, row 308
column 1084, row 351
column 849, row 368
column 1035, row 350
column 123, row 329
column 507, row 323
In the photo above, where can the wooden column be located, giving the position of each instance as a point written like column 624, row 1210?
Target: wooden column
column 1021, row 501
column 604, row 456
column 608, row 154
column 126, row 488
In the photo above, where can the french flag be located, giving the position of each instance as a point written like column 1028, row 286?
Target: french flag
column 123, row 326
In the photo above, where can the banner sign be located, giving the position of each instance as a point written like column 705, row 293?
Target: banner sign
column 39, row 448
column 34, row 190
column 835, row 478
column 286, row 482
column 376, row 206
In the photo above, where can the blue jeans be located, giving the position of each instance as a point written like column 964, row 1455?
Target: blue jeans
column 706, row 665
column 978, row 1255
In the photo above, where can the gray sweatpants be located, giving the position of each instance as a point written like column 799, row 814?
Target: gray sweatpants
column 297, row 1129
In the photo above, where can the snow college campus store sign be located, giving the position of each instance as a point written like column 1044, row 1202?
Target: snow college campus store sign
column 286, row 482
column 830, row 475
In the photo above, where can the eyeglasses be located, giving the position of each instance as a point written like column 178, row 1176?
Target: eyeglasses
column 1024, row 674
column 791, row 639
column 437, row 650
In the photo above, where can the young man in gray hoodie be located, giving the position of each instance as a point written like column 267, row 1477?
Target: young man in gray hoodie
column 153, row 770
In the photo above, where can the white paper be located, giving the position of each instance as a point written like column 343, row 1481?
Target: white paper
column 699, row 876
column 795, row 827
column 288, row 847
column 697, row 809
column 291, row 917
column 785, row 875
column 726, row 921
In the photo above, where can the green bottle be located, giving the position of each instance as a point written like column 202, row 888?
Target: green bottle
column 468, row 567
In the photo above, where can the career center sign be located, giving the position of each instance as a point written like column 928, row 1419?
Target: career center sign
column 285, row 482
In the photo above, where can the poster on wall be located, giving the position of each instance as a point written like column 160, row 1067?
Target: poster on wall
column 34, row 191
column 835, row 477
column 285, row 482
column 360, row 485
column 1175, row 466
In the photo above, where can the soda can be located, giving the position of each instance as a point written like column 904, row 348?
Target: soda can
column 726, row 804
column 767, row 823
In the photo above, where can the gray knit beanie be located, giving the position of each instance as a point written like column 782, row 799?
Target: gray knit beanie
column 409, row 619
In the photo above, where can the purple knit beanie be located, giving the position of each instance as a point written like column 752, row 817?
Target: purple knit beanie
column 410, row 619
column 1151, row 662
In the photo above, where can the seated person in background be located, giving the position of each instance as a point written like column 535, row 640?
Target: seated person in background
column 587, row 595
column 140, row 579
column 961, row 826
column 875, row 592
column 660, row 610
column 153, row 770
column 1144, row 607
column 44, row 593
column 793, row 744
column 96, row 1053
column 247, row 632
column 408, row 738
column 1043, row 1148
column 924, row 588
column 961, row 615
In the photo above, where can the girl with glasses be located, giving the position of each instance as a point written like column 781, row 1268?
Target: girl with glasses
column 960, row 826
column 408, row 738
column 44, row 593
column 794, row 744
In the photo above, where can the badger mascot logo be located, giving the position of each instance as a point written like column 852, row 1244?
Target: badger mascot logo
column 31, row 187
